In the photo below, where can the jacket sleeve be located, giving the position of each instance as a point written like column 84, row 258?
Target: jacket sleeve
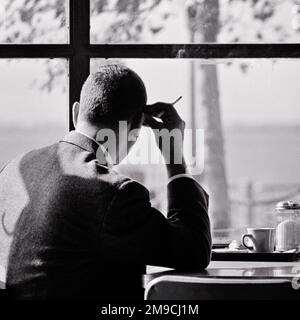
column 140, row 233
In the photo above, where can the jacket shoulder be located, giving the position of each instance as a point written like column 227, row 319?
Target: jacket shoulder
column 26, row 156
column 122, row 183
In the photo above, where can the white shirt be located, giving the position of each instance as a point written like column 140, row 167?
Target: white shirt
column 110, row 162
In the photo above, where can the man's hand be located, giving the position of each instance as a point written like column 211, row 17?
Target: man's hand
column 169, row 134
column 168, row 115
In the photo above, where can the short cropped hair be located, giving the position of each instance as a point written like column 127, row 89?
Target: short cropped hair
column 114, row 92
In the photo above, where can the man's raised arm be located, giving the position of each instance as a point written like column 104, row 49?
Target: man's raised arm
column 183, row 239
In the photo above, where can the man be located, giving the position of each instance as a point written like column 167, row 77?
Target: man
column 85, row 231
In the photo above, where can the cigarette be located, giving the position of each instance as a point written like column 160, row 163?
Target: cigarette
column 162, row 112
column 178, row 99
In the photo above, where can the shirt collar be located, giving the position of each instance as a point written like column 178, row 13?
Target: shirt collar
column 104, row 151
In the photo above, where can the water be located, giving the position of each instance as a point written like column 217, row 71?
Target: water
column 266, row 155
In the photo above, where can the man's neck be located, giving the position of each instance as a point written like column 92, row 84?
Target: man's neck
column 90, row 132
column 87, row 135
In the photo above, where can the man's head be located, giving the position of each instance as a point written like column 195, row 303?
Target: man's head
column 112, row 94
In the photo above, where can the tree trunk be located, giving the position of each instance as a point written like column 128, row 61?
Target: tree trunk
column 205, row 28
column 214, row 167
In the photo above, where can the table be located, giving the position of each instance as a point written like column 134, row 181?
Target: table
column 233, row 269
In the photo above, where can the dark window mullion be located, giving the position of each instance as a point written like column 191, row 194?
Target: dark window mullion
column 80, row 47
column 197, row 51
column 79, row 63
column 11, row 51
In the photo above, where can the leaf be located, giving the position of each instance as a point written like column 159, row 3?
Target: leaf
column 259, row 36
column 244, row 67
column 155, row 30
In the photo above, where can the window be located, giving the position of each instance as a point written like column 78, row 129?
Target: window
column 169, row 21
column 31, row 116
column 235, row 63
column 32, row 21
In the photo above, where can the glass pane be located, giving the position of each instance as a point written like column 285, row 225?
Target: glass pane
column 194, row 21
column 34, row 21
column 249, row 110
column 34, row 105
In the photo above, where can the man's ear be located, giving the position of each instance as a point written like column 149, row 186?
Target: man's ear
column 75, row 112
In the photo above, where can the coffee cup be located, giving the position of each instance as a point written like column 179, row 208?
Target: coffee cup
column 262, row 239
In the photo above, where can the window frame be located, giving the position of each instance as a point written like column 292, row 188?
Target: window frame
column 79, row 50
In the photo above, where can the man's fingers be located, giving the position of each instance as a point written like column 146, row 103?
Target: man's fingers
column 157, row 104
column 157, row 108
column 165, row 112
column 149, row 121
